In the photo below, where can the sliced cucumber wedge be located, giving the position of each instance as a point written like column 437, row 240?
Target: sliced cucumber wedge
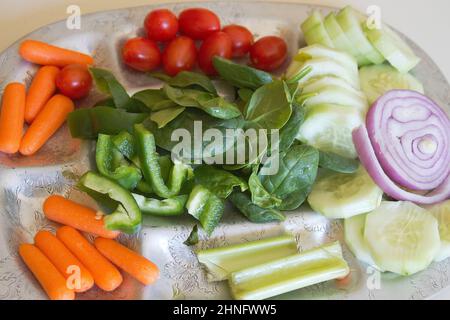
column 314, row 31
column 313, row 20
column 351, row 23
column 354, row 238
column 341, row 195
column 393, row 48
column 317, row 84
column 329, row 127
column 441, row 212
column 378, row 79
column 402, row 237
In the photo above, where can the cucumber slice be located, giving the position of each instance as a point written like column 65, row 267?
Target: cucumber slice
column 317, row 84
column 393, row 48
column 354, row 238
column 340, row 40
column 402, row 237
column 342, row 195
column 441, row 212
column 314, row 31
column 313, row 20
column 329, row 127
column 351, row 21
column 379, row 79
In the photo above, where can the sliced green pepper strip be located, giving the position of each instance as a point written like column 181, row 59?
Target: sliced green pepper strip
column 112, row 164
column 151, row 168
column 144, row 187
column 167, row 207
column 127, row 217
column 125, row 143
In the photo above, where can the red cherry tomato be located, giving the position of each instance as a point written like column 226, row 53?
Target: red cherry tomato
column 74, row 81
column 198, row 23
column 268, row 53
column 141, row 54
column 180, row 54
column 161, row 25
column 217, row 44
column 242, row 39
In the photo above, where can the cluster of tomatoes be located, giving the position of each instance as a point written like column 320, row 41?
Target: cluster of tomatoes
column 179, row 36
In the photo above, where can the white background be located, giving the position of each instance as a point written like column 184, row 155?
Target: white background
column 425, row 21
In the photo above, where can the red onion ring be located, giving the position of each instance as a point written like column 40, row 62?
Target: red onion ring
column 410, row 135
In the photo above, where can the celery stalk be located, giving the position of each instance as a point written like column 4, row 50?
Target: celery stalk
column 221, row 262
column 289, row 273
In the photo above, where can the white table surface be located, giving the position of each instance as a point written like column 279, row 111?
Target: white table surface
column 425, row 21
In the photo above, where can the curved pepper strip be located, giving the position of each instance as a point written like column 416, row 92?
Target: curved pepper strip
column 125, row 143
column 112, row 164
column 167, row 207
column 127, row 217
column 151, row 168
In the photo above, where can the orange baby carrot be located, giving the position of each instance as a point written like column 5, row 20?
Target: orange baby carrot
column 47, row 122
column 106, row 276
column 12, row 117
column 67, row 212
column 46, row 273
column 136, row 265
column 67, row 264
column 41, row 90
column 46, row 54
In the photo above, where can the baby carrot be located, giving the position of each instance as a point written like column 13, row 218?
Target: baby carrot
column 41, row 90
column 46, row 273
column 106, row 276
column 136, row 265
column 12, row 117
column 67, row 264
column 46, row 54
column 67, row 212
column 47, row 122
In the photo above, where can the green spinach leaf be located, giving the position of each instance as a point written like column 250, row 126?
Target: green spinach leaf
column 188, row 79
column 290, row 130
column 193, row 237
column 252, row 212
column 337, row 163
column 154, row 99
column 108, row 84
column 163, row 117
column 219, row 182
column 260, row 196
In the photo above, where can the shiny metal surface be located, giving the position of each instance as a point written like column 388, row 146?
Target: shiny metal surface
column 26, row 182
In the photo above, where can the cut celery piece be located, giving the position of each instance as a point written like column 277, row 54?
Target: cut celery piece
column 329, row 127
column 393, row 48
column 441, row 212
column 378, row 79
column 402, row 237
column 221, row 262
column 290, row 273
column 341, row 195
column 351, row 23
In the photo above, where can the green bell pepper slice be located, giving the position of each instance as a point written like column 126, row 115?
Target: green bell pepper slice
column 127, row 217
column 167, row 207
column 125, row 143
column 112, row 164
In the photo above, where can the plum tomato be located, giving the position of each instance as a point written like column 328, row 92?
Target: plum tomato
column 179, row 55
column 198, row 23
column 141, row 54
column 268, row 53
column 241, row 37
column 74, row 81
column 161, row 25
column 217, row 44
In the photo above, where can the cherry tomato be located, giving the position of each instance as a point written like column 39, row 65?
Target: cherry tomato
column 180, row 54
column 161, row 25
column 217, row 44
column 268, row 53
column 141, row 54
column 74, row 81
column 242, row 39
column 198, row 23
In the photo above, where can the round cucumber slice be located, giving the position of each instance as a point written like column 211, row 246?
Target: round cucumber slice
column 341, row 195
column 328, row 127
column 317, row 84
column 378, row 79
column 441, row 212
column 393, row 48
column 354, row 238
column 351, row 23
column 402, row 237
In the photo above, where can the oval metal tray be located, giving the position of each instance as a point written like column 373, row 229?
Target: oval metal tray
column 26, row 182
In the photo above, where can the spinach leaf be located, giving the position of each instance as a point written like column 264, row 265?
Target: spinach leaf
column 154, row 99
column 193, row 237
column 260, row 196
column 240, row 75
column 245, row 94
column 188, row 79
column 219, row 182
column 163, row 117
column 252, row 212
column 337, row 163
column 269, row 107
column 291, row 128
column 108, row 84
column 296, row 174
column 215, row 106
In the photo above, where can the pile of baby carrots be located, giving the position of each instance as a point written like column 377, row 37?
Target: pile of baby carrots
column 41, row 107
column 68, row 263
